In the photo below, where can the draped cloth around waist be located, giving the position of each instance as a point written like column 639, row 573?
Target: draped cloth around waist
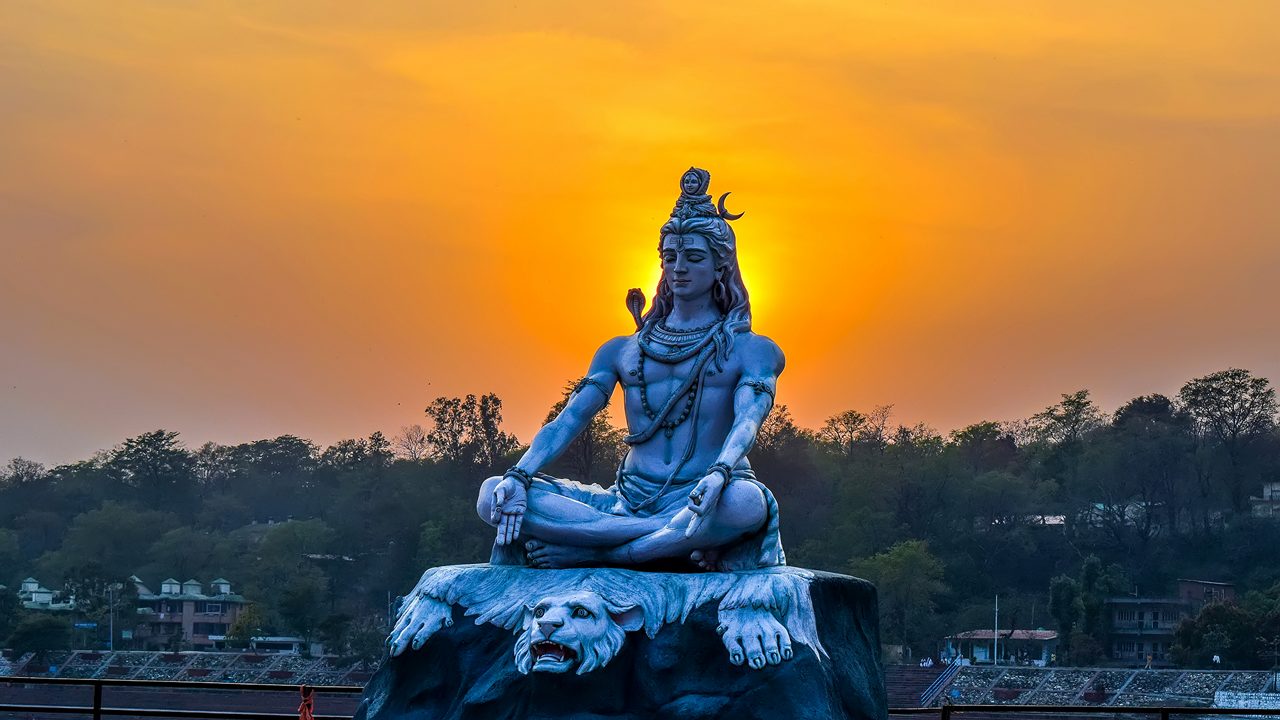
column 634, row 495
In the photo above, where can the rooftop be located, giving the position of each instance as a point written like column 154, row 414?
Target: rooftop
column 1006, row 635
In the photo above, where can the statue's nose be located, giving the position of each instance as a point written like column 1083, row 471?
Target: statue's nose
column 546, row 627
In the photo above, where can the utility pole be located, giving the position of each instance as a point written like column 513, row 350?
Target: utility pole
column 111, row 623
column 995, row 636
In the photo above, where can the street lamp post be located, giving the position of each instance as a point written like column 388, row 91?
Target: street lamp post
column 111, row 618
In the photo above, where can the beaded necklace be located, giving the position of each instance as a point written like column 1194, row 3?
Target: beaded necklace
column 684, row 344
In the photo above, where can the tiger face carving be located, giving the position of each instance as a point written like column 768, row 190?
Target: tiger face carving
column 577, row 631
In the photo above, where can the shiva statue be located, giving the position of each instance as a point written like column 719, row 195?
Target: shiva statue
column 619, row 597
column 696, row 383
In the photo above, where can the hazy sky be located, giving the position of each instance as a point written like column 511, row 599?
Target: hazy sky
column 243, row 219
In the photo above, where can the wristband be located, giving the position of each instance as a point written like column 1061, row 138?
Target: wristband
column 520, row 475
column 723, row 469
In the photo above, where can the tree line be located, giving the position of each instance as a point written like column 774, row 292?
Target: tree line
column 1053, row 512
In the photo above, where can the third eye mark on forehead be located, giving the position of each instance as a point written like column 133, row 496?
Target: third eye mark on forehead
column 685, row 243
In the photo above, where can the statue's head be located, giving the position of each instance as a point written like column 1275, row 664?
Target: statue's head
column 699, row 254
column 578, row 631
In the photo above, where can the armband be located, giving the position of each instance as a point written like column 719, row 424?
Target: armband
column 588, row 380
column 520, row 475
column 761, row 387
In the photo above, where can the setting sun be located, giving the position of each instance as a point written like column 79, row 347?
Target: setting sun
column 245, row 219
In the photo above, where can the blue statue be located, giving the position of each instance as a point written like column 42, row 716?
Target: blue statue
column 594, row 582
column 697, row 383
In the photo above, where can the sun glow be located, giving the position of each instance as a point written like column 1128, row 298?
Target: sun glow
column 263, row 219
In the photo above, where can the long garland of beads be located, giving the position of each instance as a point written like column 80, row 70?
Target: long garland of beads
column 699, row 337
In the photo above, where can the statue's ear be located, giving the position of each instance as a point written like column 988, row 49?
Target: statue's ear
column 628, row 618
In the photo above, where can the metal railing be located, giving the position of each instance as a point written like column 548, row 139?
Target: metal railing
column 940, row 683
column 99, row 710
column 945, row 712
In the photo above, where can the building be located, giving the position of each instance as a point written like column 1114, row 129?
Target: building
column 183, row 614
column 1202, row 592
column 1267, row 506
column 35, row 596
column 1142, row 628
column 1026, row 647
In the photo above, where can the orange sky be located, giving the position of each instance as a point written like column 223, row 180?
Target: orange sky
column 243, row 219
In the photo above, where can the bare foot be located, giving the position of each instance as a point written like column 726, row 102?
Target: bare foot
column 708, row 560
column 547, row 556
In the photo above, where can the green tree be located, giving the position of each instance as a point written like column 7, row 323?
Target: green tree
column 40, row 633
column 1146, row 461
column 431, row 543
column 909, row 580
column 1235, row 409
column 302, row 602
column 21, row 471
column 285, row 574
column 250, row 623
column 1224, row 629
column 114, row 537
column 1065, row 605
column 185, row 552
column 40, row 531
column 10, row 556
column 1097, row 583
column 108, row 600
column 334, row 632
column 779, row 433
column 156, row 465
column 411, row 443
column 842, row 431
column 11, row 613
column 214, row 467
column 468, row 430
column 1063, row 428
column 288, row 544
column 593, row 455
column 985, row 446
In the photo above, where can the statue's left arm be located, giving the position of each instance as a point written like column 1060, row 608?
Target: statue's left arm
column 762, row 363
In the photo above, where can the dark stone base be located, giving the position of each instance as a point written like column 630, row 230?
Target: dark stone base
column 467, row 672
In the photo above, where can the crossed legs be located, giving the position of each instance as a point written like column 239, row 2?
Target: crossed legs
column 559, row 531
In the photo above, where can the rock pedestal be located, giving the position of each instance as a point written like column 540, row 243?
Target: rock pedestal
column 466, row 671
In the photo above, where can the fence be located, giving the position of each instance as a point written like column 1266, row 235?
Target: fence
column 946, row 712
column 98, row 709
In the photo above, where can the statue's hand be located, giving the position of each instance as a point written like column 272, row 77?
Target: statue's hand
column 703, row 499
column 510, row 500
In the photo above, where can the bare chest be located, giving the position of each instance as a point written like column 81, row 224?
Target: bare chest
column 637, row 371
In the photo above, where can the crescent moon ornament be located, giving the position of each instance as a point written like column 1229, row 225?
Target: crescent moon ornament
column 725, row 213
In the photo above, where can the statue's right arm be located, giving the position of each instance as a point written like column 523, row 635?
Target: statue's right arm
column 510, row 497
column 591, row 396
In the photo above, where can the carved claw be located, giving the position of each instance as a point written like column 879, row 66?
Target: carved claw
column 421, row 618
column 754, row 636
